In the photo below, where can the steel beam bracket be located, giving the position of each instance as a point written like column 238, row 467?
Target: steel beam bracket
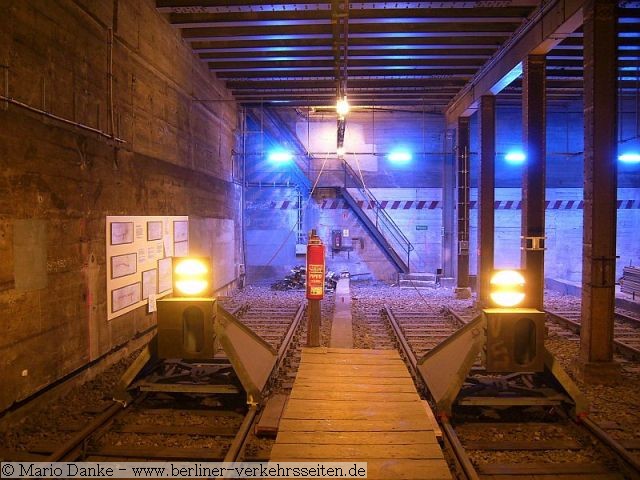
column 533, row 243
column 463, row 247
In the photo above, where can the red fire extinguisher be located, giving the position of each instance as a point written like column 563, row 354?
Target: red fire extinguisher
column 315, row 268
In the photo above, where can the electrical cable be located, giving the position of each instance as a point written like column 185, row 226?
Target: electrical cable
column 315, row 184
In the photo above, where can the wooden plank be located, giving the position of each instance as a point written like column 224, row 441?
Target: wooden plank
column 312, row 394
column 270, row 418
column 338, row 414
column 166, row 453
column 333, row 425
column 192, row 412
column 407, row 469
column 359, row 371
column 578, row 476
column 381, row 355
column 294, row 451
column 314, row 379
column 211, row 431
column 350, row 351
column 350, row 360
column 9, row 455
column 507, row 402
column 541, row 468
column 523, row 445
column 317, row 409
column 432, row 419
column 346, row 387
column 185, row 388
column 364, row 438
column 356, row 353
column 630, row 444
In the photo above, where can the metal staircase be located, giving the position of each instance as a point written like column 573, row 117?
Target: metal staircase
column 387, row 234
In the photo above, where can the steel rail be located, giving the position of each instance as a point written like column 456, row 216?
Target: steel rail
column 81, row 436
column 460, row 454
column 610, row 442
column 239, row 441
column 286, row 343
column 408, row 352
column 459, row 451
column 620, row 347
column 457, row 317
column 77, row 440
column 628, row 318
column 241, row 437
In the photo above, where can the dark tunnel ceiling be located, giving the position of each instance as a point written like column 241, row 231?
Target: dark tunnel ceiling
column 399, row 53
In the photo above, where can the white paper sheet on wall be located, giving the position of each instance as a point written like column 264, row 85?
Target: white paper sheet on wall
column 139, row 251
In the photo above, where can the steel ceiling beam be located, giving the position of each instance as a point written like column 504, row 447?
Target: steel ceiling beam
column 445, row 41
column 311, row 30
column 372, row 62
column 465, row 73
column 250, row 56
column 314, row 84
column 204, row 5
column 547, row 28
column 482, row 14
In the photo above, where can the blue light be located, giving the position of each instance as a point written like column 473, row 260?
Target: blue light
column 629, row 157
column 515, row 157
column 400, row 156
column 280, row 156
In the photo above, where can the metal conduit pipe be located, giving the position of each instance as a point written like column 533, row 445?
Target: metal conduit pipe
column 60, row 119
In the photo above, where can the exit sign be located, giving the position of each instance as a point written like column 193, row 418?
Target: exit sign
column 422, row 227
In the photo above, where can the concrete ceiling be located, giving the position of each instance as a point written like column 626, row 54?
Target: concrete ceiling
column 295, row 53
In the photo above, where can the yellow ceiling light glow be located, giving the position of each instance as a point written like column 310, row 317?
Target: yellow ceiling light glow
column 507, row 288
column 191, row 276
column 342, row 106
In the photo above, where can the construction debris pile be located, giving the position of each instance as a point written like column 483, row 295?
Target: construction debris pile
column 296, row 280
column 630, row 281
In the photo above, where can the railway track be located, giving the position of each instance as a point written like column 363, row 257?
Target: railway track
column 548, row 444
column 626, row 334
column 159, row 427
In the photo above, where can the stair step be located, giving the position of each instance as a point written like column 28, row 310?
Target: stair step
column 417, row 284
column 427, row 277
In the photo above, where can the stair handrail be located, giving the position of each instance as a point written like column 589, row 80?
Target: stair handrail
column 394, row 229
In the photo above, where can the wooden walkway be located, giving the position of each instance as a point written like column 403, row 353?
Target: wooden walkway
column 359, row 405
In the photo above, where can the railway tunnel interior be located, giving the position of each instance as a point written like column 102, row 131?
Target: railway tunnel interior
column 481, row 136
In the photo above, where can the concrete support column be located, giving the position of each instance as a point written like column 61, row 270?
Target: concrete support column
column 600, row 192
column 462, row 156
column 486, row 196
column 534, row 101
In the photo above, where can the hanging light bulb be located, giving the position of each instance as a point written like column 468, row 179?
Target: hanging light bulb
column 342, row 107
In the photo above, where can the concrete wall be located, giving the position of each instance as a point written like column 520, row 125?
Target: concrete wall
column 564, row 180
column 411, row 192
column 412, row 196
column 175, row 160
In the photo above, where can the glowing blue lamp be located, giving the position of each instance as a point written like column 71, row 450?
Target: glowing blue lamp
column 515, row 157
column 400, row 156
column 280, row 156
column 629, row 158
